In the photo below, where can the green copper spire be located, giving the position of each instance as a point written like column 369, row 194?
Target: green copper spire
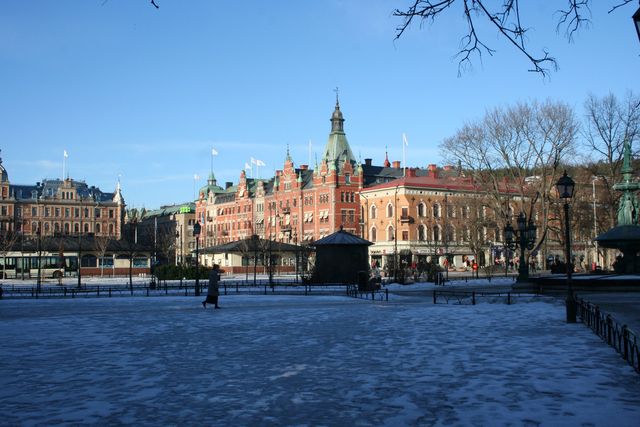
column 337, row 150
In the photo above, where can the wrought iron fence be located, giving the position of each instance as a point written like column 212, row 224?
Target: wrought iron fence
column 623, row 339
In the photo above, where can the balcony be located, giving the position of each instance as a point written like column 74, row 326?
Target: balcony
column 406, row 220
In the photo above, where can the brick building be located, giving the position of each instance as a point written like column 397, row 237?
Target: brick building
column 59, row 207
column 297, row 205
column 441, row 214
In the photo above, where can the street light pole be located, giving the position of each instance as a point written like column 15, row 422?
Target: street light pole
column 196, row 233
column 565, row 186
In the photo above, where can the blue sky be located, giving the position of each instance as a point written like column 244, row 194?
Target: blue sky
column 143, row 94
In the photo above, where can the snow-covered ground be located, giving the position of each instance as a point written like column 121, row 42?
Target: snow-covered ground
column 306, row 360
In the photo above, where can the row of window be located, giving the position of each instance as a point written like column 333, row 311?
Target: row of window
column 436, row 235
column 422, row 211
column 67, row 228
column 56, row 212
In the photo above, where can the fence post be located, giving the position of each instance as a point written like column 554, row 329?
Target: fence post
column 609, row 329
column 434, row 296
column 473, row 297
column 625, row 338
column 386, row 291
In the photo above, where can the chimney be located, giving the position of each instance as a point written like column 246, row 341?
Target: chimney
column 396, row 164
column 228, row 184
column 367, row 162
column 433, row 171
column 411, row 172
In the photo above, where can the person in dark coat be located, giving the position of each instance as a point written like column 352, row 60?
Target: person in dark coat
column 214, row 287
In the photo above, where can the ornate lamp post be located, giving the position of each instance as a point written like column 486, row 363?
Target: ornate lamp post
column 196, row 233
column 524, row 237
column 565, row 186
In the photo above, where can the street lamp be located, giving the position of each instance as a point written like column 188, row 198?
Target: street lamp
column 196, row 233
column 524, row 237
column 565, row 186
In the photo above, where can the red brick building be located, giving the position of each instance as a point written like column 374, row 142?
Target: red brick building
column 298, row 205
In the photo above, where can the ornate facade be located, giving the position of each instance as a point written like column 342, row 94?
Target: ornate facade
column 59, row 207
column 297, row 205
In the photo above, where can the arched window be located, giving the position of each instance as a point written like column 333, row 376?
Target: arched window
column 450, row 234
column 389, row 210
column 76, row 228
column 436, row 233
column 422, row 231
column 422, row 210
column 390, row 233
column 436, row 210
column 373, row 211
column 374, row 233
column 97, row 228
column 86, row 228
column 66, row 228
column 56, row 227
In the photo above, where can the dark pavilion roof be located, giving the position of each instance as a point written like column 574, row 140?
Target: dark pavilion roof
column 625, row 237
column 343, row 238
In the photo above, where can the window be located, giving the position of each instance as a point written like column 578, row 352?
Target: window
column 405, row 212
column 76, row 212
column 422, row 210
column 451, row 212
column 57, row 215
column 34, row 211
column 449, row 235
column 347, row 179
column 389, row 210
column 111, row 229
column 436, row 233
column 97, row 228
column 96, row 212
column 405, row 235
column 110, row 213
column 374, row 234
column 421, row 233
column 373, row 211
column 76, row 228
column 390, row 233
column 67, row 212
column 436, row 210
column 46, row 212
column 343, row 213
column 465, row 212
column 66, row 228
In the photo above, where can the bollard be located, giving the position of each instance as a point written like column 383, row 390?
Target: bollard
column 609, row 329
column 508, row 298
column 473, row 297
column 386, row 291
column 373, row 295
column 434, row 296
column 147, row 291
column 98, row 292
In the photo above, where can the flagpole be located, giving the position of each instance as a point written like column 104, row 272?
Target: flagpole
column 404, row 156
column 64, row 162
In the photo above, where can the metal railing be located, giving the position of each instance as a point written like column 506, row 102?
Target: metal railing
column 621, row 338
column 181, row 288
column 472, row 297
column 372, row 294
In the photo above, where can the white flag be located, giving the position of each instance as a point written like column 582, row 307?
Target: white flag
column 404, row 139
column 214, row 152
column 247, row 166
column 260, row 163
column 253, row 161
column 196, row 177
column 65, row 154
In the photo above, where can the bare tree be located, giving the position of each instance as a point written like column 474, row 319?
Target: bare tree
column 506, row 18
column 8, row 238
column 609, row 123
column 101, row 244
column 519, row 149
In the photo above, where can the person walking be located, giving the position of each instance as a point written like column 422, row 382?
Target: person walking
column 214, row 287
